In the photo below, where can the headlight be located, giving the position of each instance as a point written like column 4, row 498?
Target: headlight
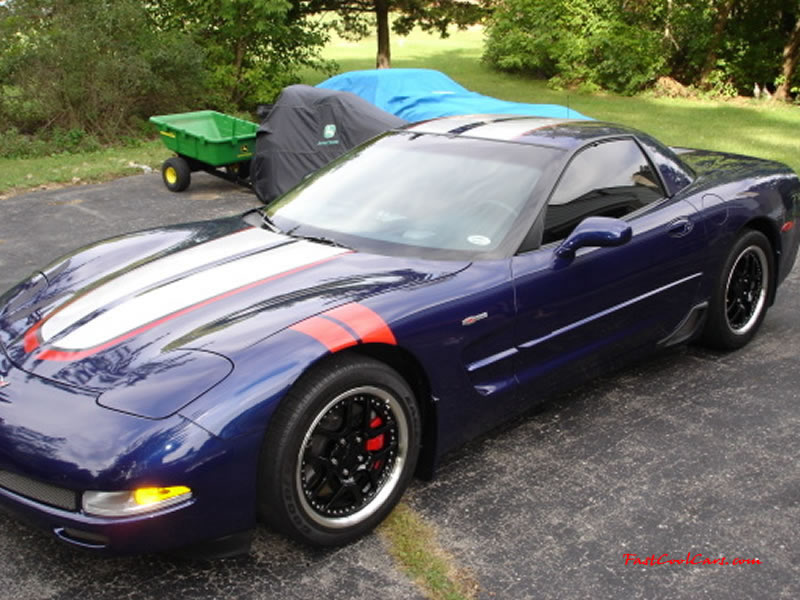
column 134, row 502
column 180, row 377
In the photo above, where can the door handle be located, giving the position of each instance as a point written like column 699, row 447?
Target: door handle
column 680, row 227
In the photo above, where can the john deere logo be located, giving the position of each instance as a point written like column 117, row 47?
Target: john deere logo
column 244, row 151
column 329, row 131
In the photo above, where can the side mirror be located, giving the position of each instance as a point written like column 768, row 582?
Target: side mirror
column 597, row 232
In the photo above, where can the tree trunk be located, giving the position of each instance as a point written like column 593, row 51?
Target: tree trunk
column 668, row 26
column 384, row 59
column 716, row 39
column 238, row 65
column 791, row 54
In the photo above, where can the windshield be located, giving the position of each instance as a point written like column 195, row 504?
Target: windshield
column 422, row 195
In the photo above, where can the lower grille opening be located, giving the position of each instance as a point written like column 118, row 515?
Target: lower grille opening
column 41, row 492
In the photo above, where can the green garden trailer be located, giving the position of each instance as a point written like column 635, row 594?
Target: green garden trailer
column 206, row 140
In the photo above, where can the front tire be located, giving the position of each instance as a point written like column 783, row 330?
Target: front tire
column 739, row 301
column 339, row 452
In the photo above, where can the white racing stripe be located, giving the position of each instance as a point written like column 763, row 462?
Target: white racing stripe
column 159, row 270
column 494, row 127
column 512, row 129
column 448, row 124
column 194, row 289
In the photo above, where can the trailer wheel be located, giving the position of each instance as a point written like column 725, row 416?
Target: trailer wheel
column 176, row 174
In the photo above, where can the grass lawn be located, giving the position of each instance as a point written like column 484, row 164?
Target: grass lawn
column 743, row 126
column 26, row 173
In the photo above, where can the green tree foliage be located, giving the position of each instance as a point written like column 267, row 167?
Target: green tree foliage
column 724, row 46
column 82, row 71
column 90, row 67
column 357, row 16
column 590, row 42
column 253, row 47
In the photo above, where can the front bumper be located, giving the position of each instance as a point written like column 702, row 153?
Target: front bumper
column 56, row 442
column 158, row 531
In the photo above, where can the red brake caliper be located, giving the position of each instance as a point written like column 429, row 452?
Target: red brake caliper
column 376, row 443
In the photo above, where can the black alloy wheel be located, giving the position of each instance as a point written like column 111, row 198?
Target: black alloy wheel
column 739, row 302
column 339, row 451
column 352, row 456
column 746, row 290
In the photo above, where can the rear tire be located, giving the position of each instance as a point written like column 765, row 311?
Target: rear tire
column 339, row 452
column 739, row 301
column 176, row 173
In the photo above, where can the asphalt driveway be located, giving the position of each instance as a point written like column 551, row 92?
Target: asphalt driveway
column 692, row 452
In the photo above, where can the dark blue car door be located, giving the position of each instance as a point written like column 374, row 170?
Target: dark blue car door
column 575, row 318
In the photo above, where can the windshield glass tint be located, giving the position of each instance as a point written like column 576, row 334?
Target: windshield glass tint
column 418, row 191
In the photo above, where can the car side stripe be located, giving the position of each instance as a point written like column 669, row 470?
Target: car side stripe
column 484, row 362
column 334, row 337
column 368, row 324
column 606, row 312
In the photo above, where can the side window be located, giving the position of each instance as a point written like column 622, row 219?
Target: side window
column 675, row 174
column 610, row 179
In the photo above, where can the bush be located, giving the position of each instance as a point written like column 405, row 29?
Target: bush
column 721, row 48
column 14, row 144
column 83, row 68
column 80, row 72
column 591, row 43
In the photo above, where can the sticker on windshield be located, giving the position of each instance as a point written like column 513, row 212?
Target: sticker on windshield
column 479, row 240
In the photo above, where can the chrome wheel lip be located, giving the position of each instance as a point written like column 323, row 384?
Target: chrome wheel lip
column 758, row 305
column 391, row 479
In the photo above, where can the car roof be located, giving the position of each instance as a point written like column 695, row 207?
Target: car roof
column 566, row 134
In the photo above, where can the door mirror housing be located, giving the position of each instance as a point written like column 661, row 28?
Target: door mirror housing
column 594, row 232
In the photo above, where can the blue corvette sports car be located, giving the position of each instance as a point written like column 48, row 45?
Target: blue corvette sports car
column 298, row 364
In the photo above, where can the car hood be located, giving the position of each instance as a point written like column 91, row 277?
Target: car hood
column 117, row 311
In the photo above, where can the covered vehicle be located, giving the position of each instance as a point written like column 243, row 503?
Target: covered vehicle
column 305, row 130
column 420, row 94
column 300, row 363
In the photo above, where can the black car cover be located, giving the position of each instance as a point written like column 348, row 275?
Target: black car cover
column 305, row 130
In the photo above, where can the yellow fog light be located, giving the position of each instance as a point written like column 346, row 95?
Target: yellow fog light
column 129, row 503
column 156, row 495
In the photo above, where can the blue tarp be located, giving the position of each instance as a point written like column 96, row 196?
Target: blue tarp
column 419, row 94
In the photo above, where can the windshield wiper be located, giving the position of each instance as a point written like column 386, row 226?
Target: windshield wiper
column 316, row 238
column 269, row 223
